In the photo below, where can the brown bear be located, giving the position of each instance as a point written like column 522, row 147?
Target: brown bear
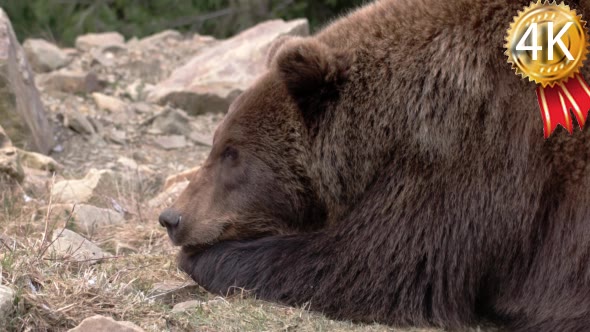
column 392, row 168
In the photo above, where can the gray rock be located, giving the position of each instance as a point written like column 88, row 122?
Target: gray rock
column 171, row 122
column 91, row 189
column 160, row 38
column 171, row 142
column 105, row 324
column 87, row 219
column 117, row 136
column 99, row 40
column 21, row 112
column 109, row 103
column 201, row 139
column 71, row 82
column 79, row 123
column 6, row 303
column 70, row 245
column 44, row 56
column 214, row 77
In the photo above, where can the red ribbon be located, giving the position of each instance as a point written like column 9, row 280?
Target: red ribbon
column 557, row 101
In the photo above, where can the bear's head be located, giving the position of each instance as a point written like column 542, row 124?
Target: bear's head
column 256, row 180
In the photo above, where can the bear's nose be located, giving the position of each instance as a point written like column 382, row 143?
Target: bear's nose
column 170, row 218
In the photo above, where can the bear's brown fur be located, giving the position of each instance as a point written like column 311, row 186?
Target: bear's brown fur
column 392, row 168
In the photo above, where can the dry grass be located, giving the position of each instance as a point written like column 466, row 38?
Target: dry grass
column 56, row 293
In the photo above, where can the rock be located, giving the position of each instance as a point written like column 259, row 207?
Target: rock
column 127, row 163
column 141, row 156
column 44, row 56
column 117, row 136
column 99, row 40
column 171, row 142
column 106, row 56
column 201, row 139
column 6, row 304
column 109, row 103
column 168, row 197
column 135, row 90
column 87, row 219
column 171, row 122
column 10, row 167
column 38, row 161
column 186, row 306
column 71, row 82
column 21, row 112
column 37, row 182
column 4, row 139
column 214, row 77
column 79, row 123
column 92, row 189
column 105, row 324
column 71, row 245
column 168, row 291
column 158, row 39
column 180, row 177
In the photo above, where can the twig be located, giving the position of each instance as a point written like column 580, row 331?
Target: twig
column 48, row 211
column 82, row 261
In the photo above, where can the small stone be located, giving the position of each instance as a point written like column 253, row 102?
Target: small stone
column 171, row 142
column 161, row 38
column 143, row 108
column 70, row 81
column 38, row 161
column 109, row 103
column 180, row 177
column 6, row 303
column 201, row 139
column 141, row 157
column 106, row 56
column 171, row 122
column 71, row 245
column 93, row 188
column 168, row 197
column 79, row 123
column 135, row 90
column 127, row 163
column 44, row 56
column 117, row 136
column 105, row 324
column 87, row 219
column 186, row 306
column 98, row 40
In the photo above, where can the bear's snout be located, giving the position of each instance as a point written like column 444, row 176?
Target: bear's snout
column 170, row 218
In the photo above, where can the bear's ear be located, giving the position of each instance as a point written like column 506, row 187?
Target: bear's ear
column 311, row 70
column 275, row 47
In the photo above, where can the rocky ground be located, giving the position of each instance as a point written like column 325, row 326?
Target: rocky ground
column 80, row 246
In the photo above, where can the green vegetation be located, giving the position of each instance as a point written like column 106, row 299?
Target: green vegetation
column 62, row 20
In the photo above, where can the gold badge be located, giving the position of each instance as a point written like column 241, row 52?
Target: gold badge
column 547, row 42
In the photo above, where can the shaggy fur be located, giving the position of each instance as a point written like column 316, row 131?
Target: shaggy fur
column 392, row 168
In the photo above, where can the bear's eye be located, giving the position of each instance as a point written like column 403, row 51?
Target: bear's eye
column 229, row 154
